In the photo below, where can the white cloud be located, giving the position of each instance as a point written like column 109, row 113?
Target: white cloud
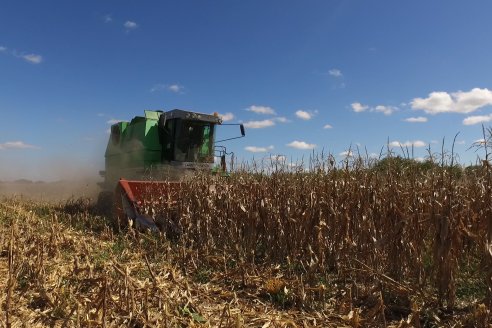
column 130, row 25
column 327, row 126
column 296, row 166
column 471, row 120
column 227, row 117
column 261, row 110
column 277, row 158
column 301, row 145
column 259, row 124
column 29, row 57
column 175, row 88
column 33, row 58
column 335, row 72
column 346, row 153
column 108, row 18
column 304, row 115
column 456, row 102
column 254, row 149
column 374, row 155
column 419, row 119
column 113, row 121
column 16, row 145
column 158, row 87
column 386, row 110
column 281, row 119
column 461, row 142
column 358, row 107
column 416, row 144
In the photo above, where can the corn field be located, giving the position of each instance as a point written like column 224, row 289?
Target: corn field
column 350, row 245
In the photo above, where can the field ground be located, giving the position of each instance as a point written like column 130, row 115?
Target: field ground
column 70, row 269
column 64, row 265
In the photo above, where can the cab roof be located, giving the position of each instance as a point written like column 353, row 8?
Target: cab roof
column 189, row 115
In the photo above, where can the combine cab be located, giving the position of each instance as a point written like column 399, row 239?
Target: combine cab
column 147, row 159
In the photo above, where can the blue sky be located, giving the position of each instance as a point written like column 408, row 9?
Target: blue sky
column 301, row 75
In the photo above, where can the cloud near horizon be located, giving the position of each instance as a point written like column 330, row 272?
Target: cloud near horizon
column 301, row 145
column 254, row 149
column 16, row 145
column 346, row 153
column 277, row 158
column 416, row 144
column 455, row 102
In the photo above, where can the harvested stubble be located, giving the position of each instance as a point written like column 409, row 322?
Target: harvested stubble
column 352, row 246
column 72, row 270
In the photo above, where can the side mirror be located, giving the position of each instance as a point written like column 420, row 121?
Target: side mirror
column 241, row 127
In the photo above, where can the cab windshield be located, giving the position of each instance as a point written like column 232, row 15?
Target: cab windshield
column 194, row 141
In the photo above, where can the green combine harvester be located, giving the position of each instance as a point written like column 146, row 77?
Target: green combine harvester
column 147, row 158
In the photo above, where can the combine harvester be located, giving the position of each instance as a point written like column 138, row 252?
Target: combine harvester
column 147, row 159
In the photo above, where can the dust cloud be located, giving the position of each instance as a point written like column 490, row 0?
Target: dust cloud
column 58, row 191
column 51, row 180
